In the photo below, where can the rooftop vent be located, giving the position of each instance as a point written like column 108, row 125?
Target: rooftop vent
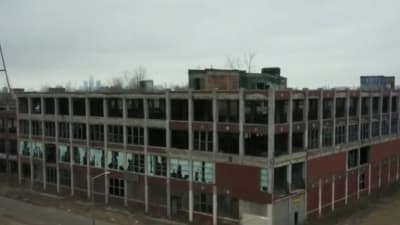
column 276, row 71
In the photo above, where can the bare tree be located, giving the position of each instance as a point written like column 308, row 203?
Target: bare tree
column 245, row 62
column 233, row 62
column 135, row 76
column 248, row 59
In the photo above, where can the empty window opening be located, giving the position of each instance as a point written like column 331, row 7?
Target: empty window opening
column 375, row 129
column 394, row 104
column 365, row 106
column 340, row 135
column 327, row 133
column 135, row 108
column 156, row 165
column 203, row 141
column 135, row 135
column 327, row 105
column 385, row 104
column 280, row 181
column 64, row 153
column 281, row 144
column 228, row 142
column 37, row 150
column 202, row 110
column 352, row 158
column 51, row 175
column 115, row 107
column 50, row 152
column 36, row 128
column 65, row 177
column 395, row 125
column 135, row 162
column 63, row 106
column 365, row 131
column 49, row 129
column 36, row 106
column 313, row 109
column 179, row 169
column 13, row 147
column 96, row 132
column 156, row 108
column 375, row 105
column 157, row 137
column 353, row 107
column 80, row 156
column 256, row 112
column 228, row 111
column 298, row 109
column 340, row 107
column 353, row 132
column 313, row 138
column 179, row 109
column 179, row 139
column 298, row 176
column 256, row 144
column 364, row 155
column 79, row 131
column 297, row 141
column 96, row 107
column 281, row 110
column 362, row 181
column 24, row 127
column 49, row 106
column 115, row 134
column 23, row 105
column 63, row 130
column 385, row 127
column 79, row 106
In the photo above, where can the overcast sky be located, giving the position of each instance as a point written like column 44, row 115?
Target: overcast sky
column 315, row 42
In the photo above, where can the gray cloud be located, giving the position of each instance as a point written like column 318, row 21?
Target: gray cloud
column 317, row 43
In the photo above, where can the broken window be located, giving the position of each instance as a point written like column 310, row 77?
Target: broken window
column 116, row 187
column 115, row 134
column 49, row 129
column 313, row 109
column 281, row 186
column 203, row 202
column 228, row 142
column 179, row 168
column 135, row 135
column 352, row 158
column 63, row 130
column 156, row 108
column 340, row 107
column 362, row 181
column 375, row 129
column 49, row 106
column 297, row 141
column 63, row 106
column 256, row 111
column 135, row 108
column 179, row 139
column 64, row 154
column 24, row 127
column 51, row 175
column 353, row 132
column 327, row 105
column 364, row 155
column 298, row 176
column 96, row 158
column 50, row 151
column 394, row 104
column 12, row 129
column 281, row 144
column 80, row 156
column 23, row 105
column 37, row 150
column 385, row 127
column 115, row 160
column 394, row 126
column 96, row 107
column 203, row 141
column 179, row 109
column 202, row 110
column 256, row 144
column 385, row 104
column 327, row 136
column 228, row 111
column 365, row 102
column 281, row 110
column 115, row 107
column 313, row 138
column 36, row 106
column 96, row 132
column 203, row 172
column 156, row 137
column 79, row 106
column 340, row 135
column 79, row 131
column 13, row 147
column 298, row 109
column 353, row 107
column 135, row 162
column 65, row 177
column 364, row 131
column 36, row 127
column 264, row 180
column 375, row 105
column 156, row 165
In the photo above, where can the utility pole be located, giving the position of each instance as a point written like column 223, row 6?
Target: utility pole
column 4, row 69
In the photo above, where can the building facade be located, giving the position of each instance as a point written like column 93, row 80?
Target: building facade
column 377, row 82
column 212, row 157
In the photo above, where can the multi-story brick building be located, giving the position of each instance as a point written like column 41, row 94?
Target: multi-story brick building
column 213, row 157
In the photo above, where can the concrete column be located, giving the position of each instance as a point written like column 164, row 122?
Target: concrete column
column 168, row 145
column 346, row 189
column 359, row 113
column 56, row 113
column 168, row 188
column 70, row 108
column 215, row 119
column 146, row 141
column 369, row 178
column 333, row 194
column 398, row 112
column 390, row 113
column 190, row 202
column 190, row 124
column 18, row 133
column 319, row 197
column 242, row 115
column 334, row 118
column 271, row 124
column 371, row 111
column 30, row 140
column 290, row 121
column 305, row 118
column 44, row 175
column 106, row 183
column 347, row 115
column 320, row 117
column 380, row 112
column 125, row 139
column 397, row 168
column 88, row 177
column 358, row 183
column 380, row 175
column 289, row 177
column 215, row 206
column 389, row 165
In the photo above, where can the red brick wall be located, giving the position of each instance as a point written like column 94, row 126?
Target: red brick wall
column 384, row 150
column 326, row 166
column 242, row 182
